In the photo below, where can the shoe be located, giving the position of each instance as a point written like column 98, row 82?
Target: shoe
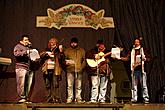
column 57, row 100
column 92, row 101
column 22, row 100
column 146, row 100
column 78, row 100
column 28, row 102
column 133, row 100
column 69, row 101
column 101, row 101
column 49, row 99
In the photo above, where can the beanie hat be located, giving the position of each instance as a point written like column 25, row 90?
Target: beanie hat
column 74, row 39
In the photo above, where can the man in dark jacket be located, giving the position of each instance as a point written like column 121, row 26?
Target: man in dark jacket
column 98, row 66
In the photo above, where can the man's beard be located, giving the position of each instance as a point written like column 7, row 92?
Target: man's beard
column 74, row 46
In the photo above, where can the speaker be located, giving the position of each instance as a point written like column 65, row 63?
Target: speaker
column 161, row 94
column 121, row 78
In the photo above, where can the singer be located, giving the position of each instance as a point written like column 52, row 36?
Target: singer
column 75, row 64
column 52, row 69
column 24, row 74
column 100, row 73
column 138, row 75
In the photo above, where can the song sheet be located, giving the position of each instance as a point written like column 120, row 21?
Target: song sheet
column 34, row 54
column 115, row 53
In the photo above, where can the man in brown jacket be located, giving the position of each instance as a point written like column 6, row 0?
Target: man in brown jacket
column 75, row 61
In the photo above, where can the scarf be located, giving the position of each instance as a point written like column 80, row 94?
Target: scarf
column 133, row 58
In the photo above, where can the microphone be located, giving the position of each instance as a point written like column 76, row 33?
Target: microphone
column 29, row 44
column 141, row 38
column 141, row 41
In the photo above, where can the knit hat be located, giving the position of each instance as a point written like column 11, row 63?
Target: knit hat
column 74, row 39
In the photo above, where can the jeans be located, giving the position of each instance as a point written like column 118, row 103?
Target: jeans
column 139, row 76
column 99, row 88
column 24, row 81
column 77, row 78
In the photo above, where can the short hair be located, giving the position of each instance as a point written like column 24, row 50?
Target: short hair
column 24, row 36
column 140, row 40
column 100, row 42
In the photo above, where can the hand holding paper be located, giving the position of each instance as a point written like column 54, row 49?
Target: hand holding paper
column 69, row 62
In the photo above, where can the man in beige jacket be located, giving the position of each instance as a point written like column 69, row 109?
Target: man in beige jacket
column 75, row 61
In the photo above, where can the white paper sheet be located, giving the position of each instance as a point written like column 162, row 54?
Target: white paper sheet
column 115, row 53
column 138, row 58
column 34, row 54
column 70, row 62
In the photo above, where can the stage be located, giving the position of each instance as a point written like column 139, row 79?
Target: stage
column 81, row 106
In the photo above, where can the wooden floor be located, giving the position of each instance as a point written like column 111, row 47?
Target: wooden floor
column 81, row 106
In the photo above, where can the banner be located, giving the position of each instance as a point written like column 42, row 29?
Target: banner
column 75, row 15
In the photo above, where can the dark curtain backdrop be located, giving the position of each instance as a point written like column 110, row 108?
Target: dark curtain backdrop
column 132, row 18
column 143, row 18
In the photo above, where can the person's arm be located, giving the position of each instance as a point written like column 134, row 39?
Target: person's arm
column 18, row 51
column 83, row 59
column 90, row 54
column 127, row 57
column 148, row 57
column 124, row 58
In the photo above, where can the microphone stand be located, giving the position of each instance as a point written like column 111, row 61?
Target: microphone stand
column 29, row 47
column 141, row 67
column 27, row 89
column 56, row 78
column 97, row 67
column 141, row 57
column 109, row 77
column 133, row 79
column 75, row 78
column 98, row 78
column 133, row 82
